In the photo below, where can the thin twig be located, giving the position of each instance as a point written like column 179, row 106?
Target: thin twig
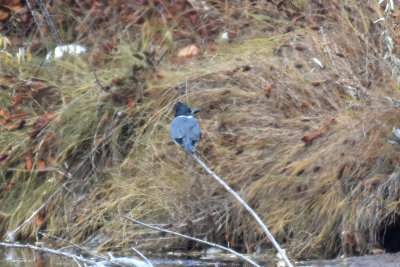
column 100, row 257
column 142, row 256
column 49, row 21
column 327, row 49
column 247, row 207
column 192, row 238
column 102, row 87
column 156, row 64
column 10, row 234
column 74, row 245
column 48, row 250
column 37, row 23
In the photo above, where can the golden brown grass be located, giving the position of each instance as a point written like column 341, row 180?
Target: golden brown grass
column 306, row 193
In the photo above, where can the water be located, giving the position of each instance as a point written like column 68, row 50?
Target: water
column 17, row 257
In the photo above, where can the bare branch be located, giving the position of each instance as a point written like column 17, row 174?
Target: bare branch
column 142, row 256
column 192, row 238
column 247, row 207
column 37, row 23
column 49, row 250
column 10, row 234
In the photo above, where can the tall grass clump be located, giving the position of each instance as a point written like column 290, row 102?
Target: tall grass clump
column 294, row 114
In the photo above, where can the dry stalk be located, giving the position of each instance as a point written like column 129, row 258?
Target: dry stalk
column 37, row 23
column 327, row 49
column 247, row 207
column 10, row 234
column 49, row 21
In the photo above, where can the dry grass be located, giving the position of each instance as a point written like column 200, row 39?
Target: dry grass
column 306, row 193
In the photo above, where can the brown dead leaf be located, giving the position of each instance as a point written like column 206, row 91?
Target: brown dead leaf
column 48, row 141
column 267, row 90
column 295, row 19
column 106, row 117
column 308, row 138
column 41, row 164
column 316, row 83
column 117, row 81
column 3, row 159
column 3, row 15
column 17, row 116
column 4, row 113
column 5, row 121
column 29, row 160
column 189, row 51
column 193, row 17
column 16, row 125
column 312, row 24
column 350, row 239
column 304, row 107
column 5, row 189
column 228, row 234
column 130, row 103
column 40, row 124
column 17, row 99
column 39, row 219
column 38, row 84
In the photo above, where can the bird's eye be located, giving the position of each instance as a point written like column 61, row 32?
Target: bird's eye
column 193, row 142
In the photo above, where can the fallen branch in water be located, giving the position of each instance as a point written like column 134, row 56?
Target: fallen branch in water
column 142, row 256
column 192, row 238
column 76, row 247
column 51, row 251
column 252, row 212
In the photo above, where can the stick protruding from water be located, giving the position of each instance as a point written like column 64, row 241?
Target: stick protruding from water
column 247, row 207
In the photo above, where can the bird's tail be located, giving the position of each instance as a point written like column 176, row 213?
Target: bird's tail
column 187, row 144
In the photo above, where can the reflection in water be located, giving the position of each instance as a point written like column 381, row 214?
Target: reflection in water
column 29, row 258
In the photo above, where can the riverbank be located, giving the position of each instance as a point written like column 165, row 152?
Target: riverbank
column 297, row 99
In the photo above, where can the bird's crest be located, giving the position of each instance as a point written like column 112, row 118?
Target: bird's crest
column 183, row 110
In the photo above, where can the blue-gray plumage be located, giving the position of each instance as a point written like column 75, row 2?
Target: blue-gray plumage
column 185, row 130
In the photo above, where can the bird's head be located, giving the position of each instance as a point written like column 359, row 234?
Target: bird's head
column 183, row 110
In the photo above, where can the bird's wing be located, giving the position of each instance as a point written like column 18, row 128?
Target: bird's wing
column 194, row 130
column 178, row 129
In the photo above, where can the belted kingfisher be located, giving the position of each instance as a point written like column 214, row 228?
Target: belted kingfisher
column 185, row 130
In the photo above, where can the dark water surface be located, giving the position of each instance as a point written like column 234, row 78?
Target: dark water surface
column 29, row 258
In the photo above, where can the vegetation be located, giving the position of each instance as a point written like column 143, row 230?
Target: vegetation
column 296, row 100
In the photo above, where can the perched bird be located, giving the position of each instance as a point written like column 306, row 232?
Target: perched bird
column 396, row 135
column 185, row 130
